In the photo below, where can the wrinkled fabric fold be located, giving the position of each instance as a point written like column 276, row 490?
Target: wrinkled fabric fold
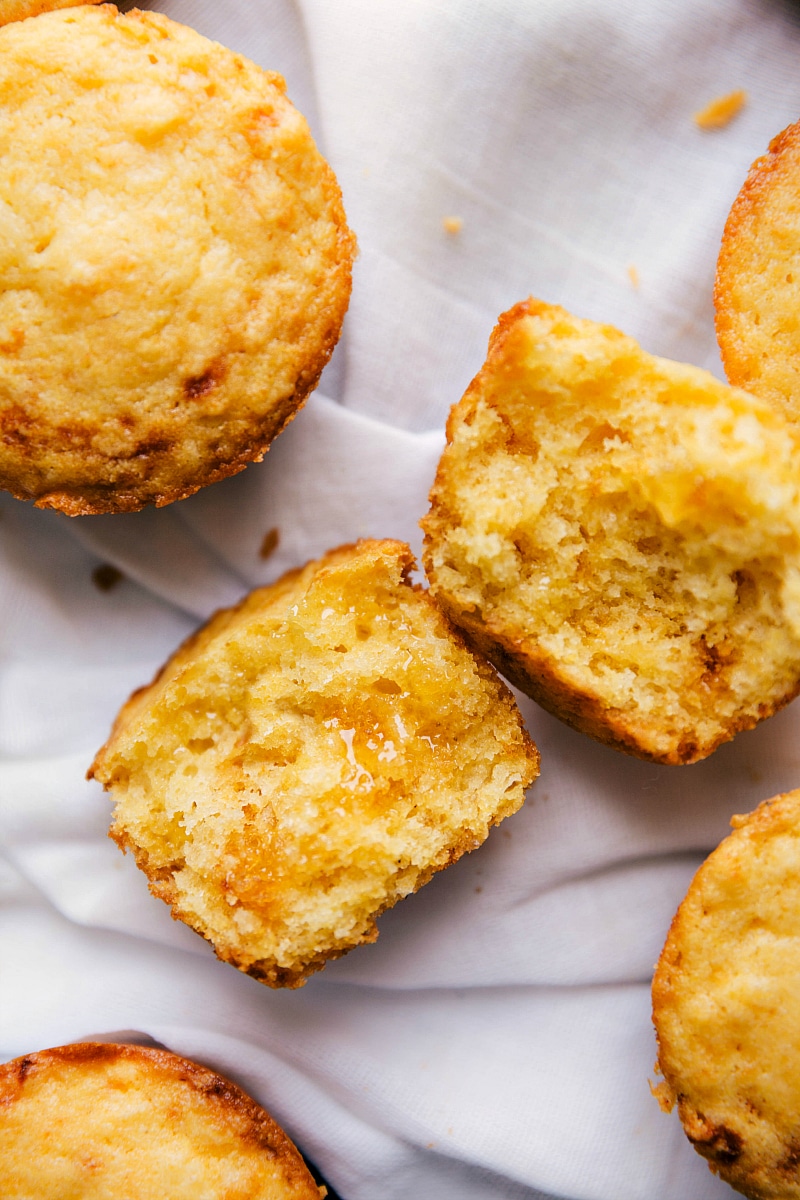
column 495, row 1043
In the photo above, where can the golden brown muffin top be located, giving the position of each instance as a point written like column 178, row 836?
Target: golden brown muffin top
column 20, row 10
column 620, row 535
column 174, row 262
column 726, row 1005
column 102, row 1121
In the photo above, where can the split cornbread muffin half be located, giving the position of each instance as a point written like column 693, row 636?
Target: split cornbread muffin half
column 757, row 290
column 310, row 757
column 726, row 1005
column 620, row 535
column 175, row 263
column 102, row 1121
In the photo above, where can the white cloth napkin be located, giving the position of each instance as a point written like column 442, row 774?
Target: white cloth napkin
column 495, row 1043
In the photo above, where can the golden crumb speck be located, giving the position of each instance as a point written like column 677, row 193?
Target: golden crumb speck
column 106, row 576
column 452, row 225
column 270, row 543
column 720, row 111
column 633, row 275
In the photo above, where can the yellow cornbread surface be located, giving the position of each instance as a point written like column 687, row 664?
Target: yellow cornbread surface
column 726, row 1005
column 96, row 1121
column 174, row 260
column 19, row 10
column 757, row 291
column 310, row 757
column 620, row 535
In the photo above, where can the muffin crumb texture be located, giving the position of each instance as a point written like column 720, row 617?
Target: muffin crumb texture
column 620, row 535
column 309, row 758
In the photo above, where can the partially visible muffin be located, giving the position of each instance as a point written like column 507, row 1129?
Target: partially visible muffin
column 757, row 292
column 106, row 1122
column 726, row 1005
column 175, row 262
column 620, row 535
column 310, row 757
column 20, row 10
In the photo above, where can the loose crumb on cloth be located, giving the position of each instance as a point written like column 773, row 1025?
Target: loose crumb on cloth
column 720, row 111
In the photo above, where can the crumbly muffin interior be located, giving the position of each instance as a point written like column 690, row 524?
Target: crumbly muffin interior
column 311, row 758
column 628, row 520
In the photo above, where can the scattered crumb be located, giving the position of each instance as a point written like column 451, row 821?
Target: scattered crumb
column 269, row 544
column 452, row 224
column 105, row 577
column 662, row 1093
column 720, row 111
column 479, row 889
column 633, row 275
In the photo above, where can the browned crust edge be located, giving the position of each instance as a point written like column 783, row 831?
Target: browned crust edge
column 749, row 198
column 251, row 1122
column 538, row 676
column 161, row 881
column 720, row 1145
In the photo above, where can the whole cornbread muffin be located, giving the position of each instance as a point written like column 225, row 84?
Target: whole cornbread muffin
column 757, row 292
column 116, row 1122
column 310, row 757
column 175, row 263
column 726, row 1005
column 620, row 535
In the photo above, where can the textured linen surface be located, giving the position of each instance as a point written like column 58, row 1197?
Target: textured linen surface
column 495, row 1042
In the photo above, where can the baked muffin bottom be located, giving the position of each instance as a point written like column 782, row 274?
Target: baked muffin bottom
column 620, row 535
column 309, row 758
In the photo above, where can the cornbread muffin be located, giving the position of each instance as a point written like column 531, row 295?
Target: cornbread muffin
column 726, row 1005
column 19, row 10
column 175, row 261
column 310, row 757
column 620, row 535
column 757, row 292
column 115, row 1122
